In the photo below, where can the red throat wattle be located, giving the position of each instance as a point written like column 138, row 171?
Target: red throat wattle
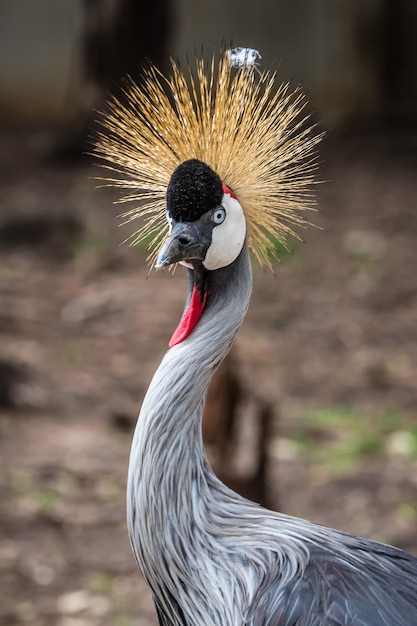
column 196, row 305
column 190, row 317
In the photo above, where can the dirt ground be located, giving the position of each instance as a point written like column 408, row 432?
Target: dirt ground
column 330, row 341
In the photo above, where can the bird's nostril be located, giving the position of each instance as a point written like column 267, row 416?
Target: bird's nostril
column 183, row 241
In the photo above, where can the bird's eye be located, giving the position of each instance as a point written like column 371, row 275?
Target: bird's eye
column 219, row 215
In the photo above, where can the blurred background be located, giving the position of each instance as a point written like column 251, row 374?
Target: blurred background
column 315, row 413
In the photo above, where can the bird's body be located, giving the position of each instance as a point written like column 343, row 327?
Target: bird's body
column 213, row 558
column 210, row 557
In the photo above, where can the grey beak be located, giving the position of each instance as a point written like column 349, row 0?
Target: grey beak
column 187, row 241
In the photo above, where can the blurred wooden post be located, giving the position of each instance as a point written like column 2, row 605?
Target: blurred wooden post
column 235, row 432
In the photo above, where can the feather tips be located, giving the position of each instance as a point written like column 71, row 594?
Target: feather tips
column 250, row 131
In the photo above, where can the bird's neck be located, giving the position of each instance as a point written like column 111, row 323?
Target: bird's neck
column 168, row 471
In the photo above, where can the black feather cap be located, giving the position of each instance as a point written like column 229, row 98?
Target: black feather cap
column 193, row 190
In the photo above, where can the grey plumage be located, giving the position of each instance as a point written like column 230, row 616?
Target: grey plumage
column 212, row 558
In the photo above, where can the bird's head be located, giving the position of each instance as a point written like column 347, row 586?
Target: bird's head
column 207, row 225
column 207, row 230
column 213, row 158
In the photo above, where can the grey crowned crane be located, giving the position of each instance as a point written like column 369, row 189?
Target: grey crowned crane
column 219, row 160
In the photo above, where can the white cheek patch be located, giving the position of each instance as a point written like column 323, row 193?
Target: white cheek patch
column 169, row 220
column 228, row 237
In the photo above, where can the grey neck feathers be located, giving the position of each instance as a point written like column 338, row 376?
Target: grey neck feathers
column 169, row 424
column 193, row 538
column 170, row 485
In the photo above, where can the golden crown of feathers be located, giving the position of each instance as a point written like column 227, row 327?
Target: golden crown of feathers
column 229, row 115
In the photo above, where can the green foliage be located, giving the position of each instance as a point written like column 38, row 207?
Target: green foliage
column 151, row 240
column 407, row 511
column 365, row 264
column 283, row 248
column 73, row 352
column 93, row 241
column 102, row 581
column 47, row 499
column 106, row 583
column 341, row 436
column 122, row 619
